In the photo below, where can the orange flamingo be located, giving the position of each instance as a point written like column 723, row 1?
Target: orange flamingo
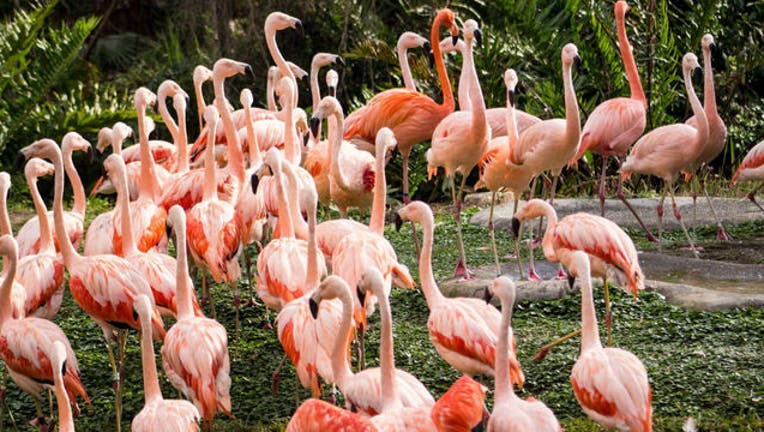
column 463, row 330
column 610, row 384
column 103, row 285
column 460, row 409
column 411, row 115
column 406, row 41
column 362, row 390
column 612, row 253
column 510, row 413
column 315, row 415
column 29, row 234
column 460, row 139
column 158, row 413
column 59, row 367
column 195, row 350
column 25, row 342
column 664, row 151
column 615, row 124
column 18, row 292
column 751, row 169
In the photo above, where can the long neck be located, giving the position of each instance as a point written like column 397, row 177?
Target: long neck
column 210, row 189
column 255, row 158
column 709, row 92
column 9, row 269
column 448, row 94
column 479, row 123
column 315, row 94
column 185, row 307
column 68, row 253
column 270, row 97
column 336, row 125
column 298, row 223
column 286, row 228
column 291, row 145
column 465, row 102
column 635, row 85
column 151, row 389
column 149, row 187
column 200, row 104
column 313, row 277
column 5, row 220
column 386, row 356
column 403, row 58
column 512, row 134
column 697, row 109
column 340, row 365
column 79, row 191
column 572, row 119
column 46, row 238
column 235, row 156
column 166, row 117
column 590, row 334
column 377, row 220
column 278, row 58
column 431, row 291
column 182, row 143
column 116, row 144
column 123, row 200
column 65, row 420
column 503, row 386
column 546, row 243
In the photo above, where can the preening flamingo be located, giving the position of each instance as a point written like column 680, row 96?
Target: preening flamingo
column 59, row 367
column 25, row 343
column 460, row 139
column 752, row 169
column 610, row 384
column 315, row 415
column 28, row 235
column 615, row 124
column 18, row 293
column 103, row 285
column 172, row 415
column 362, row 390
column 463, row 330
column 195, row 350
column 610, row 249
column 411, row 115
column 666, row 150
column 510, row 413
column 406, row 41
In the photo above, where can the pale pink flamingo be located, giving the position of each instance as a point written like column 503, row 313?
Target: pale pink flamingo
column 202, row 74
column 510, row 413
column 617, row 123
column 178, row 161
column 752, row 169
column 362, row 390
column 172, row 415
column 25, row 342
column 315, row 415
column 270, row 88
column 28, row 235
column 114, row 137
column 460, row 139
column 406, row 41
column 610, row 384
column 717, row 131
column 18, row 293
column 275, row 22
column 195, row 350
column 103, row 285
column 610, row 249
column 411, row 115
column 319, row 157
column 463, row 330
column 59, row 367
column 666, row 150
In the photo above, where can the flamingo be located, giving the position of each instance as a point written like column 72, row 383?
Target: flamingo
column 664, row 151
column 362, row 390
column 460, row 139
column 158, row 413
column 178, row 161
column 510, row 413
column 29, row 234
column 25, row 342
column 202, row 74
column 114, row 137
column 411, row 115
column 617, row 123
column 717, row 131
column 195, row 350
column 319, row 157
column 59, row 367
column 406, row 41
column 463, row 330
column 315, row 415
column 610, row 384
column 18, row 293
column 610, row 249
column 751, row 169
column 103, row 285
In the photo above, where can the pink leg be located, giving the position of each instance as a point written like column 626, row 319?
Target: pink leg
column 405, row 157
column 561, row 273
column 461, row 265
column 602, row 186
column 721, row 234
column 752, row 196
column 622, row 197
column 659, row 210
column 678, row 217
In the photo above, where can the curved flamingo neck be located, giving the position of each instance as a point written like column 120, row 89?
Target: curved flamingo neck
column 149, row 187
column 697, row 109
column 431, row 291
column 80, row 202
column 313, row 277
column 336, row 126
column 503, row 386
column 590, row 335
column 379, row 201
column 479, row 123
column 9, row 270
column 200, row 104
column 445, row 84
column 5, row 220
column 116, row 143
column 123, row 201
column 340, row 365
column 465, row 103
column 46, row 237
column 291, row 145
column 65, row 420
column 68, row 253
column 255, row 158
column 278, row 58
column 235, row 156
column 572, row 118
column 403, row 59
column 182, row 143
column 286, row 227
column 386, row 350
column 298, row 223
column 165, row 114
column 709, row 91
column 547, row 243
column 635, row 85
column 184, row 302
column 210, row 190
column 152, row 392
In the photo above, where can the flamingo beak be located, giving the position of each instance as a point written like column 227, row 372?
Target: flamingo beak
column 478, row 38
column 571, row 280
column 63, row 368
column 515, row 227
column 361, row 295
column 454, row 40
column 168, row 230
column 313, row 308
column 299, row 28
column 314, row 123
column 305, row 139
column 333, row 91
column 427, row 46
column 89, row 152
column 577, row 62
column 20, row 160
column 487, row 296
column 339, row 61
column 398, row 222
column 249, row 72
column 698, row 72
column 255, row 181
column 511, row 97
column 431, row 58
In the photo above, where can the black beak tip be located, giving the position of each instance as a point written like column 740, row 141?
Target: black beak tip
column 90, row 154
column 20, row 160
column 305, row 139
column 299, row 28
column 515, row 227
column 698, row 72
column 361, row 295
column 479, row 37
column 454, row 40
column 487, row 296
column 63, row 368
column 427, row 46
column 168, row 230
column 398, row 223
column 333, row 91
column 249, row 72
column 339, row 61
column 511, row 97
column 255, row 181
column 431, row 58
column 313, row 308
column 577, row 62
column 314, row 123
column 571, row 280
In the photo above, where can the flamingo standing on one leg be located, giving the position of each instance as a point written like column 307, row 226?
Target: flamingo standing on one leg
column 460, row 139
column 610, row 384
column 510, row 413
column 411, row 115
column 172, row 415
column 664, row 151
column 751, row 169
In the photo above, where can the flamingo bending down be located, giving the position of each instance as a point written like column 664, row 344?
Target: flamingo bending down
column 362, row 390
column 411, row 115
column 751, row 169
column 59, row 367
column 610, row 384
column 617, row 123
column 463, row 330
column 103, row 285
column 510, row 413
column 406, row 41
column 172, row 415
column 666, row 150
column 195, row 350
column 460, row 139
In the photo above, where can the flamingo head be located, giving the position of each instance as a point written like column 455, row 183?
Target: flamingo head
column 170, row 88
column 73, row 141
column 201, row 74
column 448, row 46
column 36, row 168
column 503, row 288
column 57, row 358
column 332, row 78
column 579, row 265
column 325, row 59
column 570, row 55
column 371, row 280
column 121, row 131
column 385, row 142
column 621, row 9
column 328, row 106
column 179, row 102
column 104, row 138
column 330, row 288
column 279, row 21
column 510, row 79
column 299, row 73
column 447, row 18
column 225, row 68
column 409, row 40
column 285, row 90
column 9, row 247
column 246, row 98
column 143, row 98
column 531, row 210
column 472, row 31
column 416, row 211
column 114, row 166
column 690, row 64
column 176, row 218
column 5, row 183
column 708, row 42
column 142, row 310
column 44, row 148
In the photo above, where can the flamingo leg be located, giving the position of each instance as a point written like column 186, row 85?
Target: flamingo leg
column 694, row 194
column 461, row 265
column 122, row 340
column 4, row 405
column 544, row 350
column 608, row 314
column 721, row 234
column 407, row 198
column 752, row 196
column 622, row 197
column 678, row 217
column 602, row 186
column 659, row 211
column 532, row 275
column 493, row 236
column 517, row 243
column 276, row 375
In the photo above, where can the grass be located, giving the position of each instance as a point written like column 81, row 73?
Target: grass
column 704, row 365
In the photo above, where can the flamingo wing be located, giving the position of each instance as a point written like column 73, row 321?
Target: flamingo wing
column 43, row 277
column 612, row 127
column 166, row 415
column 753, row 160
column 297, row 331
column 282, row 268
column 315, row 415
column 461, row 408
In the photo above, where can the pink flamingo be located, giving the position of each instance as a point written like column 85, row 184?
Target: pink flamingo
column 114, row 137
column 362, row 390
column 315, row 415
column 411, row 115
column 610, row 249
column 158, row 413
column 202, row 74
column 463, row 330
column 59, row 367
column 610, row 384
column 406, row 41
column 18, row 293
column 510, row 413
column 195, row 350
column 751, row 169
column 615, row 124
column 103, row 285
column 664, row 151
column 25, row 342
column 29, row 234
column 460, row 139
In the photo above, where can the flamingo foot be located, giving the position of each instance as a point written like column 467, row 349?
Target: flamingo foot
column 253, row 302
column 561, row 274
column 462, row 271
column 42, row 423
column 533, row 276
column 535, row 243
column 722, row 235
column 236, row 300
column 268, row 325
column 652, row 238
column 695, row 248
column 541, row 355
